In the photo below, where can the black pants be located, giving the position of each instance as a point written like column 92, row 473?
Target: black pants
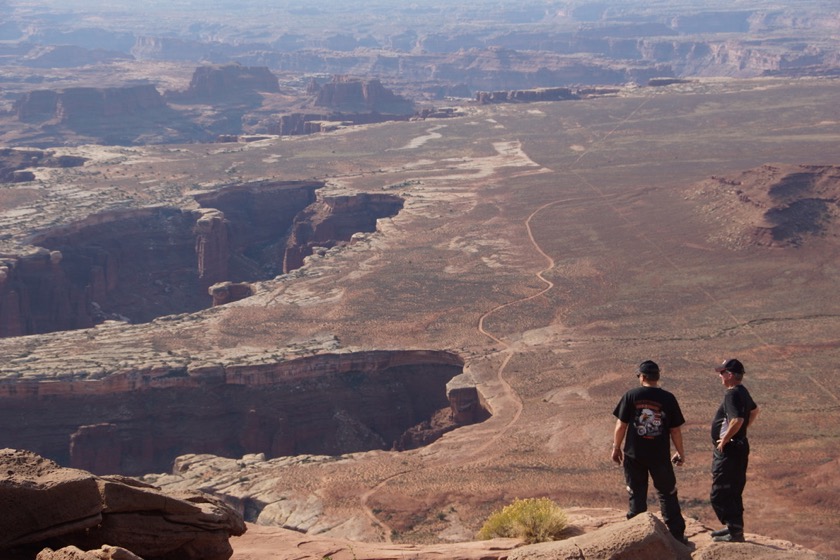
column 636, row 473
column 729, row 476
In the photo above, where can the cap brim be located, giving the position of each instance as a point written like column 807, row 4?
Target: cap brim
column 720, row 369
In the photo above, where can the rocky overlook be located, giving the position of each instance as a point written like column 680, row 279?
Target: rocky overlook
column 451, row 274
column 74, row 511
column 85, row 517
column 379, row 334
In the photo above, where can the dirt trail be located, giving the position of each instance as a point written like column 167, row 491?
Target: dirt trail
column 509, row 154
column 513, row 152
column 508, row 395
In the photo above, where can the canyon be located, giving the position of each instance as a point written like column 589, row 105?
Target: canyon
column 326, row 405
column 135, row 265
column 183, row 82
column 365, row 274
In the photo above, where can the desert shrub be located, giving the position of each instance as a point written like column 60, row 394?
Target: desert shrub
column 533, row 520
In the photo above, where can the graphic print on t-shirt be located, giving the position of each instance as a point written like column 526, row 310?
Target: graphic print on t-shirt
column 649, row 420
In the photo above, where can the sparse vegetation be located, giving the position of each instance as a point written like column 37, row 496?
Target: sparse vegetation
column 532, row 519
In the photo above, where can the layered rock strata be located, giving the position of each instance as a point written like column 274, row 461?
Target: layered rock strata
column 334, row 220
column 777, row 205
column 14, row 163
column 525, row 96
column 46, row 505
column 78, row 104
column 299, row 124
column 222, row 82
column 136, row 265
column 348, row 94
column 328, row 404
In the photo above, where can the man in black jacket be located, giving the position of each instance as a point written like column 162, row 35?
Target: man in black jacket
column 732, row 451
column 648, row 418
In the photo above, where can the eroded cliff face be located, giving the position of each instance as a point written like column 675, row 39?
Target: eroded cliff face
column 37, row 296
column 81, row 103
column 334, row 220
column 774, row 205
column 326, row 404
column 257, row 218
column 136, row 265
column 296, row 124
column 349, row 94
column 46, row 506
column 225, row 81
column 525, row 96
column 14, row 163
column 111, row 115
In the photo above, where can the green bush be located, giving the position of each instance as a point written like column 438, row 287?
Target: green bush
column 533, row 520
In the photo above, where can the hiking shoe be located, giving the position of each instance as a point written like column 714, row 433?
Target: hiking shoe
column 729, row 537
column 720, row 532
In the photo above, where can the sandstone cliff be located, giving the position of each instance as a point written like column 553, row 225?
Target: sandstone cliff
column 135, row 265
column 334, row 220
column 109, row 115
column 348, row 94
column 257, row 219
column 127, row 264
column 777, row 205
column 84, row 103
column 69, row 56
column 525, row 96
column 297, row 124
column 341, row 102
column 46, row 505
column 226, row 82
column 327, row 404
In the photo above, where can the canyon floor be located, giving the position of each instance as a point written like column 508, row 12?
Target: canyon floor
column 553, row 246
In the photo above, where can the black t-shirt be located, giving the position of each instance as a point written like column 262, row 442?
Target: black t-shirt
column 651, row 412
column 737, row 403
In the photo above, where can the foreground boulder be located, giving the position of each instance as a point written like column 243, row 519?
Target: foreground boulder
column 48, row 505
column 643, row 537
column 75, row 553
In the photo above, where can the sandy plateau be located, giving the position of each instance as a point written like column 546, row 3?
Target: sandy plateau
column 553, row 247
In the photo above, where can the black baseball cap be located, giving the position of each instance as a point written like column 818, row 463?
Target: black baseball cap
column 732, row 366
column 648, row 367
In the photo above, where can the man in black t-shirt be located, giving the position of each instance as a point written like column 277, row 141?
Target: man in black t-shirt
column 648, row 418
column 732, row 451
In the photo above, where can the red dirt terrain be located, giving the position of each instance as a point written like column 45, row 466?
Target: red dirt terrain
column 552, row 247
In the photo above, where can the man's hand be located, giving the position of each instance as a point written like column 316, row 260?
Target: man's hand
column 617, row 455
column 677, row 459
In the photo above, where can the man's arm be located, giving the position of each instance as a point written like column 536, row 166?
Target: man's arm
column 753, row 416
column 734, row 425
column 676, row 437
column 618, row 438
